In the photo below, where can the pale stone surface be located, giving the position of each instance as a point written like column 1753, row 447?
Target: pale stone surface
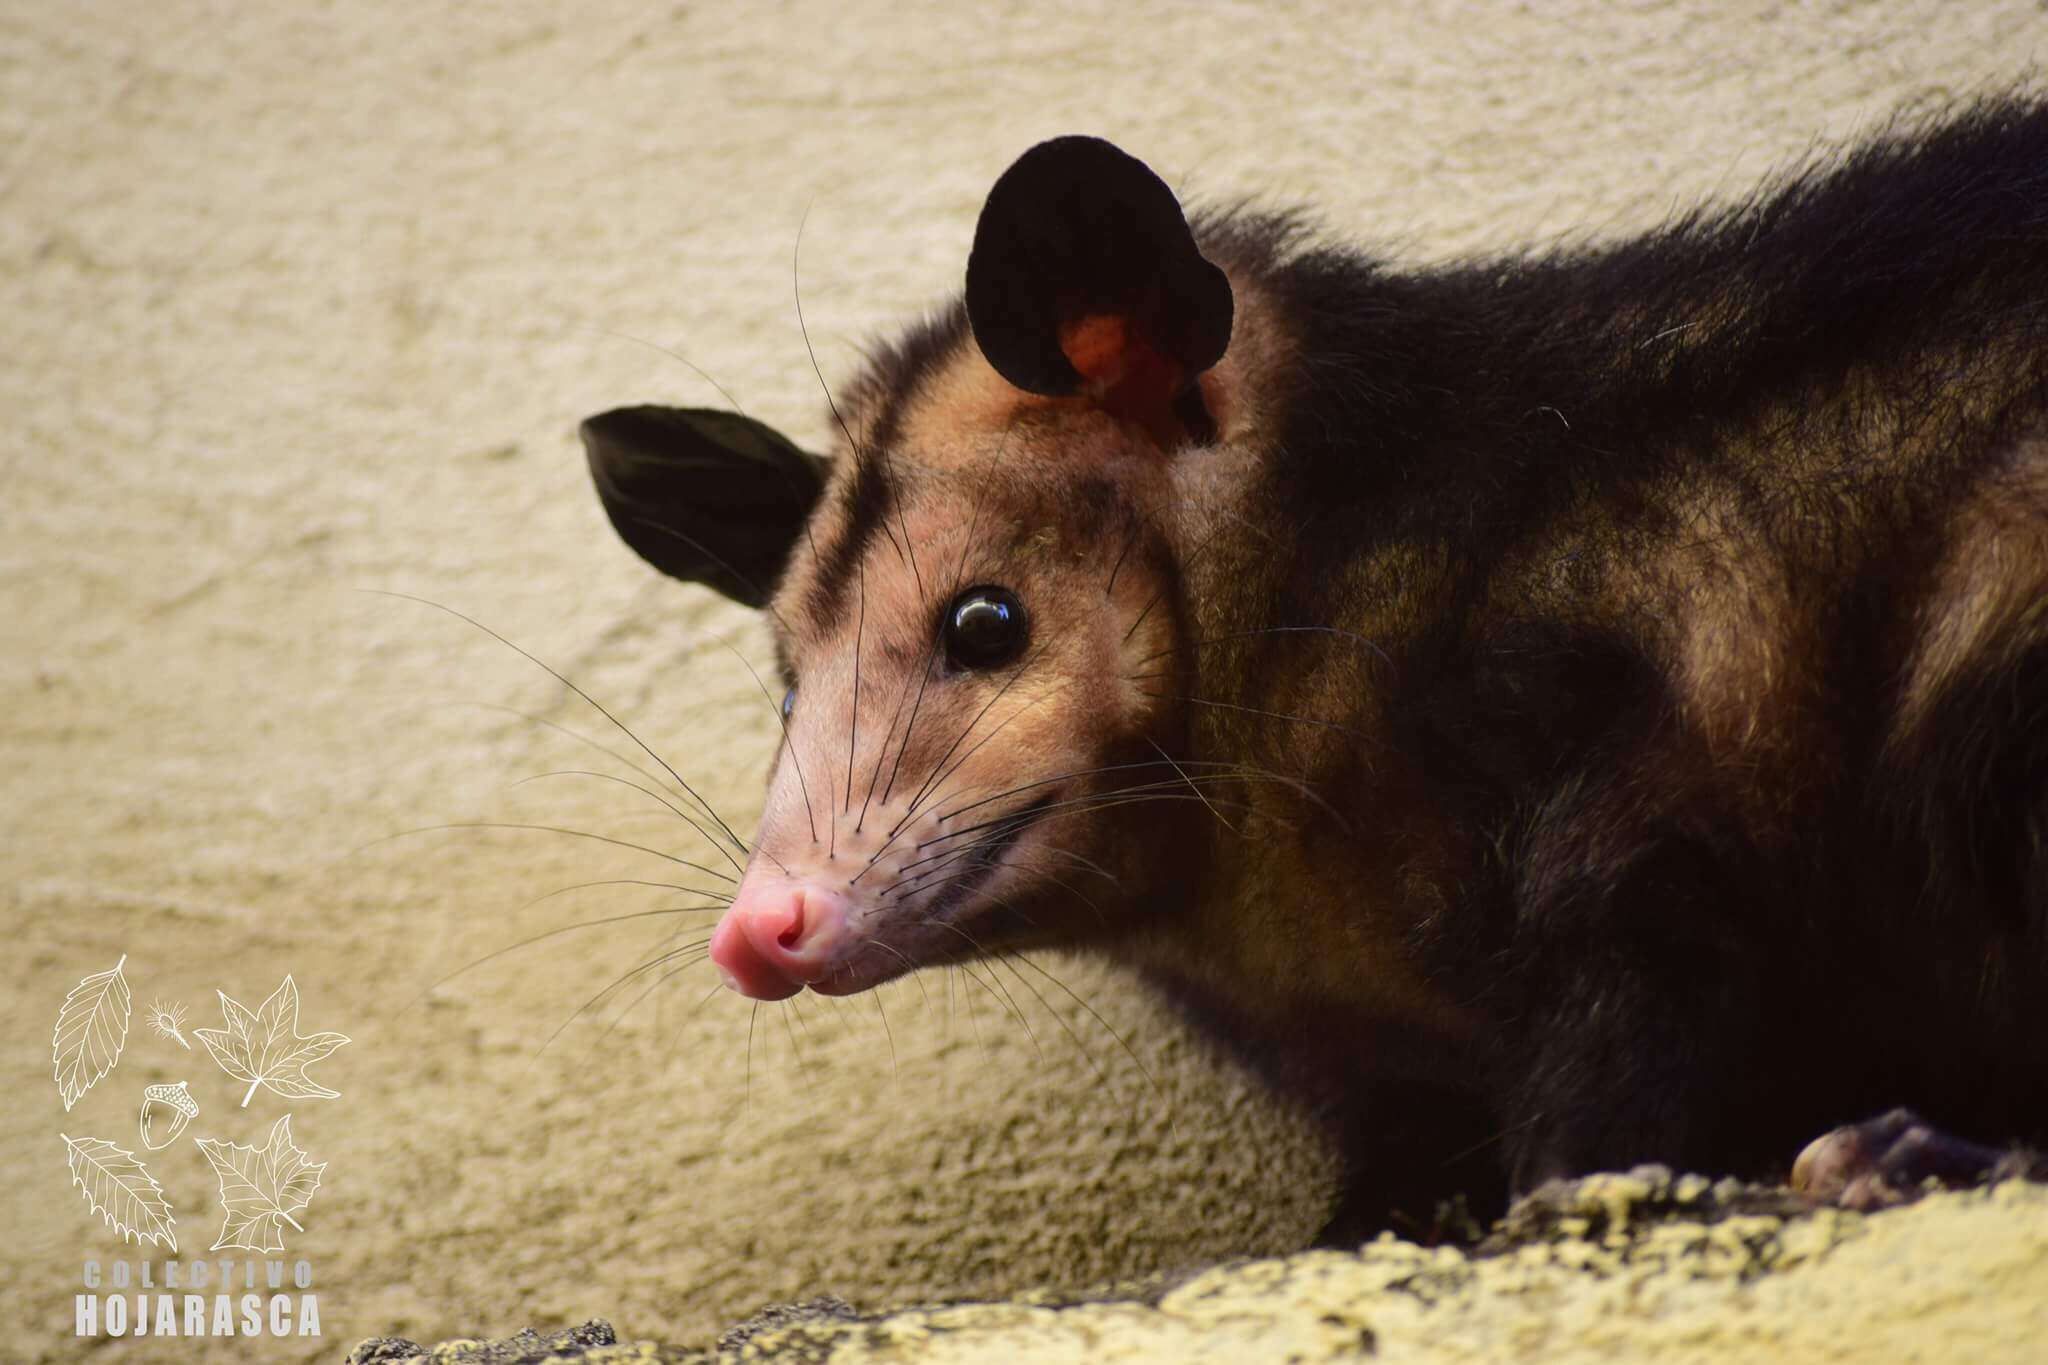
column 1960, row 1276
column 305, row 299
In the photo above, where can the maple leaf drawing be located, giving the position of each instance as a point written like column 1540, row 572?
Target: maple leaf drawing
column 121, row 1190
column 261, row 1187
column 91, row 1027
column 265, row 1048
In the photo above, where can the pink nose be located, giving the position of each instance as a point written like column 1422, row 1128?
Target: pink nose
column 777, row 937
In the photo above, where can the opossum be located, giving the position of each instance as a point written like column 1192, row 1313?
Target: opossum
column 1550, row 713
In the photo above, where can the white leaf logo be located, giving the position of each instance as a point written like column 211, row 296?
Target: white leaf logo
column 166, row 1109
column 264, row 1047
column 90, row 1030
column 167, row 1020
column 121, row 1190
column 262, row 1188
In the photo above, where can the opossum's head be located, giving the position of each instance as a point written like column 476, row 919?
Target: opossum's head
column 974, row 601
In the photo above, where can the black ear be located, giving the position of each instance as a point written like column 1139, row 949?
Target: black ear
column 708, row 496
column 1084, row 277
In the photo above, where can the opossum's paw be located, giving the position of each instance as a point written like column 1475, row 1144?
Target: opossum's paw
column 1888, row 1160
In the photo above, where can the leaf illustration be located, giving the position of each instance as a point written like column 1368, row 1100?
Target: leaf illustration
column 121, row 1190
column 262, row 1188
column 264, row 1048
column 90, row 1030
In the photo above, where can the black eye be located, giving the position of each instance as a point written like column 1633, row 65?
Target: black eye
column 788, row 702
column 985, row 627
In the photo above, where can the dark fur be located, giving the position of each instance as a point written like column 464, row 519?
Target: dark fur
column 1698, row 875
column 1686, row 962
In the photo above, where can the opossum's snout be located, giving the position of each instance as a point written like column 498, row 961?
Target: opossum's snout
column 888, row 822
column 779, row 936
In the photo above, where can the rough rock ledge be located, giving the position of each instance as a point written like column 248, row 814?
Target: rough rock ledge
column 1644, row 1266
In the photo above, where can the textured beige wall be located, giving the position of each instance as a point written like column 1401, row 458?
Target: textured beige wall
column 301, row 300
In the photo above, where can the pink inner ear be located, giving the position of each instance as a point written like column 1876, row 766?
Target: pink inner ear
column 1095, row 346
column 1123, row 374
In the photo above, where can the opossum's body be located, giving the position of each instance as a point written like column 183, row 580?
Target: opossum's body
column 1547, row 714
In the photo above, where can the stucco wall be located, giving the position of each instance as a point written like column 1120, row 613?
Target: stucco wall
column 304, row 300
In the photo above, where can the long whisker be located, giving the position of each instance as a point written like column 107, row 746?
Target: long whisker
column 593, row 702
column 973, row 1017
column 678, row 811
column 1227, row 770
column 1002, row 822
column 686, row 957
column 677, row 533
column 549, row 829
column 1130, row 541
column 1000, row 828
column 796, row 251
column 903, row 747
column 1136, row 1061
column 973, row 1014
column 897, row 833
column 929, row 881
column 716, row 988
column 1097, row 801
column 1000, row 991
column 1160, row 596
column 497, row 953
column 1191, row 784
column 910, row 969
column 682, row 360
column 702, row 374
column 616, row 984
column 1272, row 715
column 803, row 1072
column 853, row 729
column 1087, row 1055
column 1015, row 957
column 561, row 729
column 904, row 549
column 721, row 896
column 924, row 788
column 753, row 1015
column 788, row 743
column 1083, row 863
column 895, row 1071
column 1014, row 715
column 1075, row 773
column 931, row 655
column 892, row 895
column 882, row 752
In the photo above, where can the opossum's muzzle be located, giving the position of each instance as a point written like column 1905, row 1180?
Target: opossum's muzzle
column 779, row 936
column 811, row 920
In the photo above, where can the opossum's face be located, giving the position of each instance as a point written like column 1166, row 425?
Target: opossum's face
column 974, row 603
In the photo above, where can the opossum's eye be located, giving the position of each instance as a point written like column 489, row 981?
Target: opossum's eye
column 985, row 627
column 788, row 702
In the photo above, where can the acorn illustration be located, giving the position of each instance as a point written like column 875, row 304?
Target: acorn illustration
column 166, row 1109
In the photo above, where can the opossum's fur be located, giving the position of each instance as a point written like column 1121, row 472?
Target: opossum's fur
column 1664, row 687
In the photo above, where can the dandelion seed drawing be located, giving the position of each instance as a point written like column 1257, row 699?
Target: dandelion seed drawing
column 167, row 1020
